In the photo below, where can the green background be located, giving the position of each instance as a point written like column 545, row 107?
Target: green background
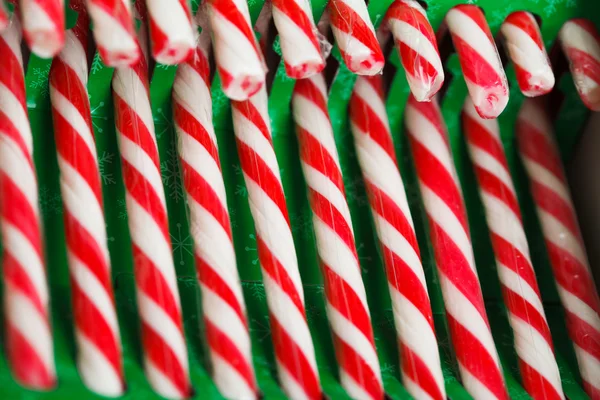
column 570, row 120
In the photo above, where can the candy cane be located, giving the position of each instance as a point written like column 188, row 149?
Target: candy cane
column 580, row 42
column 222, row 299
column 171, row 30
column 479, row 59
column 298, row 37
column 419, row 356
column 532, row 339
column 347, row 307
column 469, row 328
column 526, row 50
column 28, row 337
column 96, row 325
column 114, row 32
column 355, row 36
column 239, row 59
column 294, row 351
column 565, row 246
column 43, row 25
column 417, row 46
column 4, row 16
column 165, row 352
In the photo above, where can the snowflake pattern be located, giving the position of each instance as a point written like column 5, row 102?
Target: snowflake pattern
column 260, row 328
column 497, row 16
column 252, row 249
column 98, row 117
column 302, row 224
column 551, row 7
column 241, row 190
column 50, row 202
column 40, row 80
column 182, row 244
column 169, row 170
column 355, row 191
column 232, row 217
column 256, row 289
column 104, row 159
column 122, row 209
column 97, row 64
column 162, row 122
column 389, row 370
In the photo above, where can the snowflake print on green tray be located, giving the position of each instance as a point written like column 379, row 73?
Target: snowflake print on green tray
column 170, row 172
column 97, row 64
column 104, row 159
column 99, row 117
column 182, row 244
column 122, row 208
column 39, row 81
column 162, row 122
column 302, row 224
column 252, row 249
column 50, row 202
column 256, row 290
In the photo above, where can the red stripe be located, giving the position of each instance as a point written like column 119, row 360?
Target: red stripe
column 300, row 18
column 588, row 26
column 523, row 310
column 584, row 335
column 415, row 64
column 17, row 210
column 133, row 128
column 229, row 10
column 592, row 391
column 27, row 366
column 150, row 281
column 251, row 113
column 401, row 11
column 315, row 155
column 549, row 201
column 480, row 136
column 308, row 89
column 585, row 63
column 117, row 10
column 8, row 129
column 192, row 127
column 416, row 370
column 538, row 147
column 371, row 125
column 474, row 67
column 474, row 13
column 11, row 72
column 257, row 170
column 199, row 62
column 475, row 358
column 213, row 280
column 294, row 360
column 91, row 323
column 277, row 272
column 220, row 343
column 354, row 365
column 536, row 384
column 165, row 360
column 144, row 193
column 55, row 11
column 493, row 186
column 15, row 275
column 527, row 23
column 431, row 111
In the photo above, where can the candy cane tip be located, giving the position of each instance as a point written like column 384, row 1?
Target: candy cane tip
column 244, row 87
column 425, row 92
column 123, row 58
column 304, row 70
column 540, row 85
column 369, row 65
column 45, row 43
column 177, row 52
column 33, row 380
column 591, row 99
column 490, row 102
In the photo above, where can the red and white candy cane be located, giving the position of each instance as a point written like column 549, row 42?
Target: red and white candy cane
column 298, row 37
column 293, row 345
column 479, row 59
column 28, row 335
column 43, row 25
column 171, row 30
column 419, row 355
column 238, row 56
column 580, row 42
column 355, row 36
column 474, row 347
column 525, row 46
column 532, row 339
column 223, row 304
column 4, row 16
column 165, row 351
column 96, row 326
column 114, row 32
column 555, row 211
column 417, row 46
column 347, row 308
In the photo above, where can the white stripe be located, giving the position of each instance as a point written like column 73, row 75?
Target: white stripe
column 289, row 385
column 511, row 280
column 486, row 161
column 16, row 113
column 191, row 93
column 73, row 116
column 353, row 388
column 161, row 323
column 12, row 36
column 160, row 383
column 525, row 52
column 356, row 50
column 73, row 54
column 225, row 319
column 354, row 338
column 364, row 90
column 475, row 387
column 546, row 178
column 230, row 383
column 147, row 235
column 130, row 88
column 533, row 115
column 273, row 229
column 290, row 318
column 322, row 184
column 589, row 366
column 415, row 390
column 20, row 248
column 109, row 33
column 96, row 371
column 443, row 216
column 135, row 155
column 26, row 320
column 579, row 308
column 561, row 236
column 14, row 164
column 171, row 18
column 360, row 8
column 94, row 291
column 296, row 47
column 462, row 26
column 414, row 38
column 81, row 202
column 574, row 36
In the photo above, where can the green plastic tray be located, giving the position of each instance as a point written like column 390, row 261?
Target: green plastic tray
column 569, row 123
